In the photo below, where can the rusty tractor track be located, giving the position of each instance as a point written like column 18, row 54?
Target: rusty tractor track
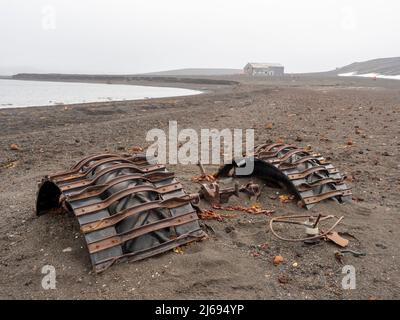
column 126, row 207
column 306, row 174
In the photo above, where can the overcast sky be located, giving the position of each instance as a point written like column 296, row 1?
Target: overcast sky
column 129, row 36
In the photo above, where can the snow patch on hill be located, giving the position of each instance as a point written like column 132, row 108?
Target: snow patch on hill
column 369, row 75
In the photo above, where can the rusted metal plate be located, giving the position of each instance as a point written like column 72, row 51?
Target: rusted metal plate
column 326, row 195
column 120, row 195
column 112, row 220
column 106, row 171
column 146, row 253
column 336, row 238
column 136, row 232
column 100, row 189
column 127, row 208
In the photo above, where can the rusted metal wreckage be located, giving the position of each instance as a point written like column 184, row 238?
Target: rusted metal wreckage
column 126, row 207
column 129, row 208
column 304, row 173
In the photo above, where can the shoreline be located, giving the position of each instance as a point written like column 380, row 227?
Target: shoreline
column 197, row 90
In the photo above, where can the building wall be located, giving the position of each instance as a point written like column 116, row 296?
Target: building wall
column 265, row 72
column 270, row 71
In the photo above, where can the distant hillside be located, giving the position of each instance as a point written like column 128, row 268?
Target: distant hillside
column 384, row 67
column 119, row 78
column 197, row 72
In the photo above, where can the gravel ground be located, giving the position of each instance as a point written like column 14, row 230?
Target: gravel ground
column 354, row 122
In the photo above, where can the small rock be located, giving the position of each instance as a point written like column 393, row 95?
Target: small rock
column 277, row 260
column 15, row 147
column 28, row 282
column 283, row 279
column 69, row 249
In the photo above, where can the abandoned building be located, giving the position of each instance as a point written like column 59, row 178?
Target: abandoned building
column 264, row 69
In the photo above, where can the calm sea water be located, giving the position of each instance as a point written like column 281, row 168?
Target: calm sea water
column 18, row 93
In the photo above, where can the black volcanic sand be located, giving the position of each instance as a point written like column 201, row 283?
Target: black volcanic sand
column 353, row 122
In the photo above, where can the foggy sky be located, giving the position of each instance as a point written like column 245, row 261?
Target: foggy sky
column 129, row 36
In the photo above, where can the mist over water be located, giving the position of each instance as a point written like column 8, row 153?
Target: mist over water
column 18, row 93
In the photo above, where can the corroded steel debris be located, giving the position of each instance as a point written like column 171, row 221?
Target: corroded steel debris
column 305, row 173
column 126, row 207
column 130, row 208
column 213, row 194
column 313, row 232
column 255, row 209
